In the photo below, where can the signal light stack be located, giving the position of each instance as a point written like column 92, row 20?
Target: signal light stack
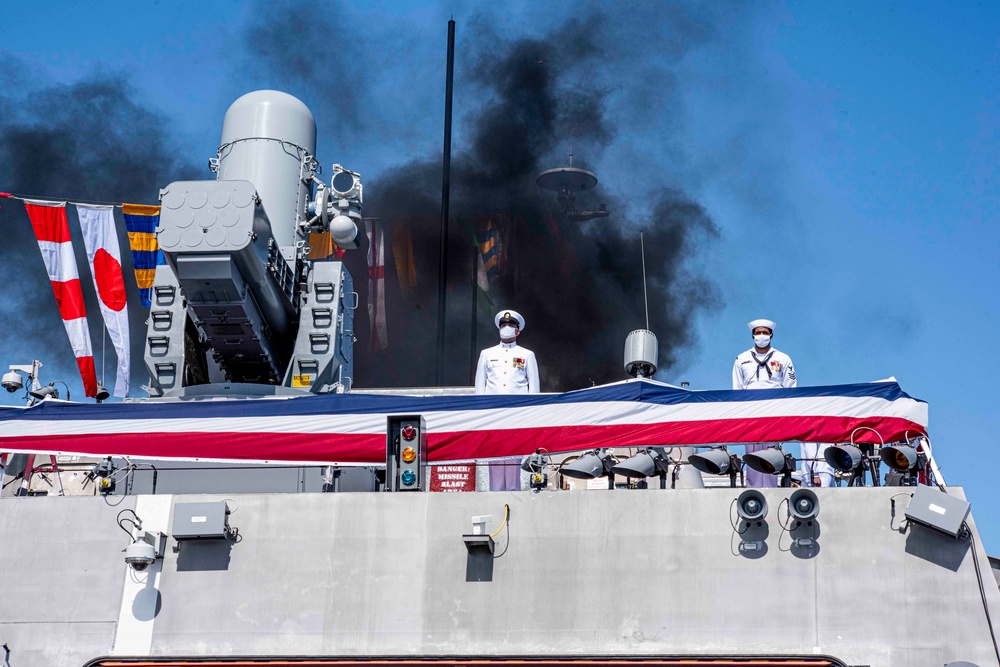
column 406, row 450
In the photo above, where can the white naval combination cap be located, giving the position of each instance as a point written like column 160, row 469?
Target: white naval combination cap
column 509, row 315
column 761, row 323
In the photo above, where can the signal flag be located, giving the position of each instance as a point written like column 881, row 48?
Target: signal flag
column 48, row 219
column 141, row 222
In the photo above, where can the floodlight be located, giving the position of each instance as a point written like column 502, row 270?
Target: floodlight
column 595, row 463
column 102, row 393
column 844, row 457
column 905, row 461
column 42, row 393
column 751, row 506
column 772, row 461
column 646, row 463
column 901, row 458
column 803, row 506
column 717, row 461
column 852, row 458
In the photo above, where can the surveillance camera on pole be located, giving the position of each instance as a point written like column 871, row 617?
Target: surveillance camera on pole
column 12, row 381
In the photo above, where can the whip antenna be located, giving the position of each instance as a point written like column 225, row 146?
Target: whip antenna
column 645, row 297
column 641, row 348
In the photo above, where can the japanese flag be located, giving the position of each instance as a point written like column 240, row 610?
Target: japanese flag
column 104, row 255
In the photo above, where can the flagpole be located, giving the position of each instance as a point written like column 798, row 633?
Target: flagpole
column 445, row 195
column 475, row 304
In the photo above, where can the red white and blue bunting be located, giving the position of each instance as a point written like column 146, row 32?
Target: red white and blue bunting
column 350, row 428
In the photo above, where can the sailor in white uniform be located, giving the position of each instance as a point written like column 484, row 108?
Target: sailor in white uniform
column 506, row 368
column 762, row 367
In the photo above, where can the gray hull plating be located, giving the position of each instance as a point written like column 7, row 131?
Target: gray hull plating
column 585, row 573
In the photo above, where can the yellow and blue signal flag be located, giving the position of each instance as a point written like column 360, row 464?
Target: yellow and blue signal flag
column 141, row 221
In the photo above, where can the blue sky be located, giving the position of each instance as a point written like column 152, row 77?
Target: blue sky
column 847, row 153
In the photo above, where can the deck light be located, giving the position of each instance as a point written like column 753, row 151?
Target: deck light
column 901, row 457
column 645, row 463
column 718, row 461
column 905, row 461
column 844, row 457
column 772, row 461
column 852, row 459
column 595, row 463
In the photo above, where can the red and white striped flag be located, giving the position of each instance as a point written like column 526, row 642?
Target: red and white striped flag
column 376, row 284
column 105, row 257
column 52, row 231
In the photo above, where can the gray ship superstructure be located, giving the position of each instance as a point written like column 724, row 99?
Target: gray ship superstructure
column 113, row 561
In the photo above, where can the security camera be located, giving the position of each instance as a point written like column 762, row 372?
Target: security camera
column 12, row 381
column 640, row 353
column 140, row 555
column 147, row 547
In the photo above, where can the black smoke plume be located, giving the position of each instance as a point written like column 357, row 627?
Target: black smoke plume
column 88, row 141
column 579, row 285
column 307, row 56
column 521, row 105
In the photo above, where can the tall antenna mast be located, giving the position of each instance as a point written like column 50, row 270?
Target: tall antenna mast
column 645, row 297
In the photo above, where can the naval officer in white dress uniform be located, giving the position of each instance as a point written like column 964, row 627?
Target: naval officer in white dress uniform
column 507, row 368
column 762, row 367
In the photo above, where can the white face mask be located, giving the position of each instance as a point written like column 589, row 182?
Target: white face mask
column 507, row 332
column 762, row 340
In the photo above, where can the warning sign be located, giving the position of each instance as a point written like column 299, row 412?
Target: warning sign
column 453, row 478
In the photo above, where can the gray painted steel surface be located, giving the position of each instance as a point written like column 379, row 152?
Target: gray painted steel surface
column 164, row 350
column 267, row 135
column 323, row 357
column 59, row 599
column 217, row 239
column 585, row 573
